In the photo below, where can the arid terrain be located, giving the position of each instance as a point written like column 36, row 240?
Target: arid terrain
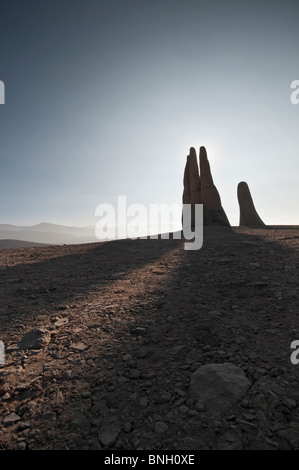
column 123, row 325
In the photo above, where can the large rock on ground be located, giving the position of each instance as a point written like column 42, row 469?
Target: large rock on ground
column 218, row 387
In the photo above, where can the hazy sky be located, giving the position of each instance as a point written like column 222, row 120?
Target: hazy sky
column 105, row 97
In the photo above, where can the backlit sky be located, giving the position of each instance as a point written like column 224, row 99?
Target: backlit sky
column 105, row 97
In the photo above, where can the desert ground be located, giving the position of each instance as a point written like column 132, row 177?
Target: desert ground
column 102, row 341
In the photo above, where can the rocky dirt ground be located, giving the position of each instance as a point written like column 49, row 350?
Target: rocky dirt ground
column 102, row 340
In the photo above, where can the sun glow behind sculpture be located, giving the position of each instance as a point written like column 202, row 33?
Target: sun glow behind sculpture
column 91, row 115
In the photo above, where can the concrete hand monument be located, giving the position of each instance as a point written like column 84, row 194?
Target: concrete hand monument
column 199, row 188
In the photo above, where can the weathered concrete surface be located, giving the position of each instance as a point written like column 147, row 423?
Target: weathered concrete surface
column 199, row 188
column 248, row 214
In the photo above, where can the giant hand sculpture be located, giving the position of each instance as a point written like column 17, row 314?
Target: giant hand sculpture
column 199, row 188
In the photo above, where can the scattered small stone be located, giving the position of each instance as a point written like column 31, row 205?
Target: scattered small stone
column 24, row 425
column 107, row 435
column 138, row 331
column 289, row 403
column 35, row 339
column 265, row 384
column 143, row 401
column 127, row 357
column 22, row 386
column 122, row 380
column 10, row 419
column 49, row 416
column 185, row 366
column 291, row 436
column 59, row 397
column 199, row 407
column 61, row 322
column 161, row 427
column 6, row 396
column 135, row 373
column 246, row 426
column 170, row 417
column 183, row 409
column 127, row 427
column 163, row 398
column 79, row 422
column 22, row 445
column 235, row 446
column 141, row 354
column 78, row 346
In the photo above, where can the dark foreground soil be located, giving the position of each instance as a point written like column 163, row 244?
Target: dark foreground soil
column 130, row 322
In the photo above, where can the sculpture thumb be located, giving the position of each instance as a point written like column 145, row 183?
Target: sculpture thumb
column 248, row 214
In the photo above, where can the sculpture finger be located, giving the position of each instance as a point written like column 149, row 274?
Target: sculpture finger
column 205, row 170
column 186, row 181
column 194, row 178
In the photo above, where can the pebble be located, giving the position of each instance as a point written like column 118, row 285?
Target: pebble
column 161, row 427
column 22, row 445
column 107, row 435
column 61, row 322
column 10, row 419
column 79, row 423
column 143, row 401
column 127, row 427
column 78, row 346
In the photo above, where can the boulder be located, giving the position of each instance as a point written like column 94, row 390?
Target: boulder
column 218, row 387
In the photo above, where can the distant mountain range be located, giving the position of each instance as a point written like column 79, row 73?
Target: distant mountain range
column 45, row 233
column 52, row 234
column 19, row 244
